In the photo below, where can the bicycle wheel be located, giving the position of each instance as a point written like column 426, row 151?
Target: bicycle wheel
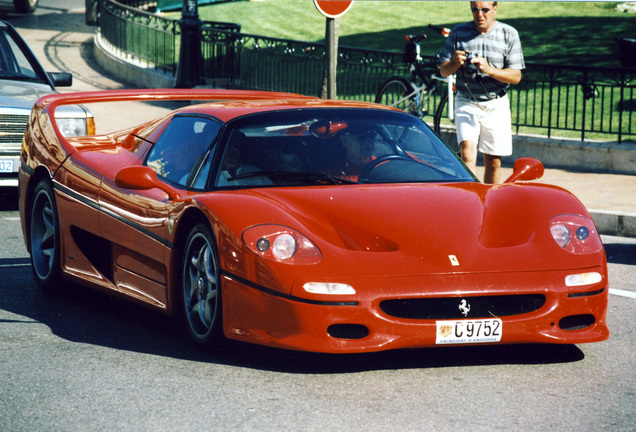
column 394, row 93
column 440, row 113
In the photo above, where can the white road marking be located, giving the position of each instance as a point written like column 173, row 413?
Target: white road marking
column 14, row 265
column 623, row 293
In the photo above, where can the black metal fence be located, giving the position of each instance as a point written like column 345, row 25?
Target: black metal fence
column 257, row 62
column 582, row 102
column 142, row 37
column 587, row 100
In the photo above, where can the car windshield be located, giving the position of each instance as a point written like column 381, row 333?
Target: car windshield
column 14, row 63
column 334, row 146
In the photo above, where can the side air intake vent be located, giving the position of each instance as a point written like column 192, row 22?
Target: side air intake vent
column 576, row 322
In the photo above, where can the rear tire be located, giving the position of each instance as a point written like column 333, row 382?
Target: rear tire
column 25, row 6
column 44, row 238
column 394, row 89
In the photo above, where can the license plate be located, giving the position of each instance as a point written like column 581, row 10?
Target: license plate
column 6, row 165
column 469, row 331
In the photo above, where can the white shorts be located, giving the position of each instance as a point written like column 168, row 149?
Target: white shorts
column 488, row 123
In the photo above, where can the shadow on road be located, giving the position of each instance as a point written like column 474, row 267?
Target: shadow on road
column 86, row 316
column 9, row 199
column 621, row 253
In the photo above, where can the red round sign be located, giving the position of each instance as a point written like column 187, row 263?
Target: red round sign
column 332, row 8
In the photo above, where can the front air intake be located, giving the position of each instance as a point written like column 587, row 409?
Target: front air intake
column 462, row 307
column 348, row 331
column 576, row 322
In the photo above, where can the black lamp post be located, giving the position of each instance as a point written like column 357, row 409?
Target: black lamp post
column 189, row 67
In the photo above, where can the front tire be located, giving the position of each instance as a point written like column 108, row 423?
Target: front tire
column 201, row 288
column 44, row 238
column 393, row 91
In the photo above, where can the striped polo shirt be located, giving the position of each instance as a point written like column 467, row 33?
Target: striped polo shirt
column 500, row 46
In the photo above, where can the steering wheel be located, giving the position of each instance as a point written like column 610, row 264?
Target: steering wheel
column 367, row 170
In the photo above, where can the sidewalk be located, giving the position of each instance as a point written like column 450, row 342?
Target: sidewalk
column 63, row 42
column 610, row 198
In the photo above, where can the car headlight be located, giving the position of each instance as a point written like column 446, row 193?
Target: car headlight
column 71, row 127
column 281, row 244
column 575, row 234
column 583, row 279
column 330, row 288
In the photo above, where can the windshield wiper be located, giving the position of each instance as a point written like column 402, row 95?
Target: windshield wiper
column 313, row 177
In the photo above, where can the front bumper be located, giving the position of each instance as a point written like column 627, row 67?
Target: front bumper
column 569, row 315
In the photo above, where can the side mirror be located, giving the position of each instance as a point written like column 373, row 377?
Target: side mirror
column 142, row 178
column 526, row 169
column 61, row 79
column 326, row 129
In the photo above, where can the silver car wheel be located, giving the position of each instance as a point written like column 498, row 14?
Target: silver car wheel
column 200, row 285
column 44, row 236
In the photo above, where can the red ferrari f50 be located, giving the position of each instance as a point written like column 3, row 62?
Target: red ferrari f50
column 307, row 224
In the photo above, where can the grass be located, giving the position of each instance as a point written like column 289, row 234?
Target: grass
column 576, row 33
column 559, row 33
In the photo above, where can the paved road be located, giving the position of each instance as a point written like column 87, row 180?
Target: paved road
column 84, row 361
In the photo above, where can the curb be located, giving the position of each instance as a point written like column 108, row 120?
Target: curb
column 130, row 70
column 614, row 223
column 562, row 153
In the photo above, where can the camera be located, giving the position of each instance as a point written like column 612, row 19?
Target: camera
column 471, row 68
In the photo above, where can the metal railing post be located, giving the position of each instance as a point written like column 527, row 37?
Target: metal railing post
column 189, row 66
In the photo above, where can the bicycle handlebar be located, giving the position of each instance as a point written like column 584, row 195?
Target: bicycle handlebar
column 414, row 38
column 443, row 31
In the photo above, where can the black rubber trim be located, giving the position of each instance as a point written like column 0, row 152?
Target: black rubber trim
column 287, row 296
column 27, row 169
column 586, row 294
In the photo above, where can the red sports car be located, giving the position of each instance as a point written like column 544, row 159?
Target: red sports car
column 307, row 224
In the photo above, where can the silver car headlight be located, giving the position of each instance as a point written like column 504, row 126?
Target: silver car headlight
column 72, row 126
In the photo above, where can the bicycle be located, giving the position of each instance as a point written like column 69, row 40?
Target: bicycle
column 413, row 96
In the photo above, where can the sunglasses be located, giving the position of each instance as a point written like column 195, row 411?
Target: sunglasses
column 482, row 10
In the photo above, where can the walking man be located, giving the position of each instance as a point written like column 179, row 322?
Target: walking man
column 486, row 57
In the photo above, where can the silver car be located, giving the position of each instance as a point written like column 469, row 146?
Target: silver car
column 22, row 82
column 20, row 6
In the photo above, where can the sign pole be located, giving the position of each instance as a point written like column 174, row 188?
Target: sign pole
column 331, row 58
column 331, row 9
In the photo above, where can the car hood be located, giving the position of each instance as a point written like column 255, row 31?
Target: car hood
column 394, row 229
column 21, row 94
